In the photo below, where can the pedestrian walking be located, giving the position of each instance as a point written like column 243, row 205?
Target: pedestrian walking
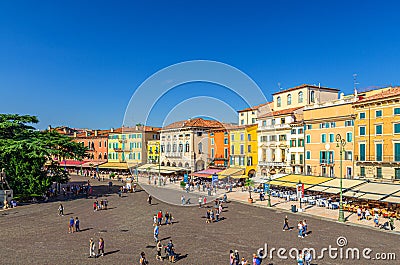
column 159, row 217
column 200, row 201
column 159, row 249
column 231, row 257
column 286, row 224
column 183, row 200
column 101, row 247
column 256, row 260
column 307, row 257
column 143, row 260
column 171, row 251
column 92, row 247
column 204, row 201
column 300, row 227
column 156, row 232
column 305, row 226
column 149, row 199
column 300, row 258
column 237, row 258
column 77, row 222
column 105, row 204
column 61, row 210
column 166, row 218
column 71, row 225
column 94, row 206
column 170, row 218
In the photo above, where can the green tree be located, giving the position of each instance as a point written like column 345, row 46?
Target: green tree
column 24, row 152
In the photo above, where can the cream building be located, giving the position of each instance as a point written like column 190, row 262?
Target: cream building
column 185, row 143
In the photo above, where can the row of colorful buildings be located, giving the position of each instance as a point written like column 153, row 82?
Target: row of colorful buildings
column 296, row 133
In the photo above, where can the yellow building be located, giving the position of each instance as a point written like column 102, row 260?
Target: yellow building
column 249, row 116
column 243, row 149
column 323, row 122
column 153, row 154
column 377, row 134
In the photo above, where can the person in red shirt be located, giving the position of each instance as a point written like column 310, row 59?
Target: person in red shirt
column 159, row 217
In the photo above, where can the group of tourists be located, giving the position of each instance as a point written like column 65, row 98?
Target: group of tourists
column 73, row 223
column 92, row 248
column 234, row 259
column 103, row 205
column 213, row 215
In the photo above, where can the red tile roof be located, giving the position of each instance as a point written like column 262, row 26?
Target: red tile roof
column 254, row 108
column 306, row 85
column 280, row 112
column 394, row 91
column 197, row 122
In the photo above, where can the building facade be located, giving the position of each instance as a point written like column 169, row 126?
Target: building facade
column 323, row 122
column 218, row 146
column 153, row 151
column 185, row 143
column 377, row 135
column 249, row 116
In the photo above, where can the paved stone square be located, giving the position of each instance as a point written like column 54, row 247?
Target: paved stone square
column 35, row 234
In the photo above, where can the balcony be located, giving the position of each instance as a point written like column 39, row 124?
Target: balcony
column 296, row 162
column 326, row 161
column 272, row 164
column 173, row 155
column 377, row 159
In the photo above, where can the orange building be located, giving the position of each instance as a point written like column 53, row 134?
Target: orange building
column 218, row 146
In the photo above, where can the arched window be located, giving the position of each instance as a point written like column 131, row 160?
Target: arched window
column 200, row 148
column 187, row 147
column 312, row 97
column 100, row 156
column 300, row 97
column 105, row 156
column 174, row 148
column 180, row 148
column 278, row 101
column 289, row 99
column 168, row 148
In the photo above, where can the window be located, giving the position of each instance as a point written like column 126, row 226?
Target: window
column 264, row 123
column 300, row 131
column 301, row 143
column 226, row 140
column 232, row 137
column 289, row 99
column 378, row 113
column 379, row 172
column 349, row 137
column 241, row 122
column 362, row 130
column 331, row 137
column 323, row 138
column 278, row 101
column 312, row 97
column 293, row 131
column 200, row 146
column 272, row 138
column 253, row 112
column 282, row 120
column 249, row 137
column 301, row 158
column 300, row 97
column 253, row 120
column 249, row 161
column 309, row 126
column 99, row 143
column 348, row 155
column 249, row 148
column 225, row 152
column 378, row 129
column 308, row 155
column 168, row 148
column 378, row 152
column 180, row 148
column 333, row 124
column 397, row 152
column 273, row 121
column 349, row 123
column 362, row 171
column 162, row 148
column 397, row 128
column 242, row 149
column 241, row 137
column 232, row 149
column 397, row 173
column 362, row 152
column 362, row 115
column 212, row 141
column 293, row 143
column 212, row 152
column 242, row 114
column 187, row 147
column 282, row 137
column 232, row 162
column 308, row 138
column 396, row 111
column 174, row 148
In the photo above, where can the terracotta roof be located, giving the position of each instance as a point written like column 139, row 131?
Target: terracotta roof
column 394, row 91
column 280, row 112
column 306, row 85
column 254, row 107
column 197, row 122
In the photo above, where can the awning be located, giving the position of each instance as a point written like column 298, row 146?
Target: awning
column 71, row 163
column 353, row 194
column 372, row 197
column 207, row 173
column 318, row 188
column 307, row 180
column 276, row 183
column 239, row 176
column 93, row 163
column 373, row 191
column 394, row 198
column 114, row 165
column 146, row 167
column 230, row 172
column 333, row 185
column 332, row 191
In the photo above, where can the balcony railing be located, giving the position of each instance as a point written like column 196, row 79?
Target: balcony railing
column 173, row 155
column 378, row 159
column 296, row 162
column 326, row 161
column 272, row 164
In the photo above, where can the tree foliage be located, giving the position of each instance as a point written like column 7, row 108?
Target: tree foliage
column 25, row 151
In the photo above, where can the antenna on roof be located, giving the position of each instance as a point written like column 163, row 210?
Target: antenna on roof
column 279, row 85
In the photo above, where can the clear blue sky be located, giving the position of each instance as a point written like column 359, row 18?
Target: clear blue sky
column 77, row 63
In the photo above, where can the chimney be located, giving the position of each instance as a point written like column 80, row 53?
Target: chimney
column 136, row 128
column 49, row 128
column 75, row 134
column 86, row 133
column 112, row 129
column 95, row 132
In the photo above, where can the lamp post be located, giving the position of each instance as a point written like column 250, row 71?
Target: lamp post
column 341, row 143
column 159, row 165
column 269, row 190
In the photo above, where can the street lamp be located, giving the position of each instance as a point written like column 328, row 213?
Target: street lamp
column 341, row 143
column 269, row 189
column 159, row 164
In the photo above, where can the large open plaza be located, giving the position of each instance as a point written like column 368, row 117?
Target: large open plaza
column 35, row 234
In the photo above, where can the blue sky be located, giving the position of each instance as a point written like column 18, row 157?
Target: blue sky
column 78, row 63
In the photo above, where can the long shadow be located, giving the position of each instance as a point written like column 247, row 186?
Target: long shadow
column 86, row 229
column 347, row 218
column 150, row 246
column 111, row 252
column 165, row 238
column 175, row 222
column 110, row 208
column 179, row 256
column 154, row 204
column 68, row 214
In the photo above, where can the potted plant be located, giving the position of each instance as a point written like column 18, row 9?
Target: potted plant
column 249, row 184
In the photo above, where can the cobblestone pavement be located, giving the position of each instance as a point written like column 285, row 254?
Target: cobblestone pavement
column 35, row 234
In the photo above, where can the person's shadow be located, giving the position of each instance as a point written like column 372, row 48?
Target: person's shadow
column 111, row 252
